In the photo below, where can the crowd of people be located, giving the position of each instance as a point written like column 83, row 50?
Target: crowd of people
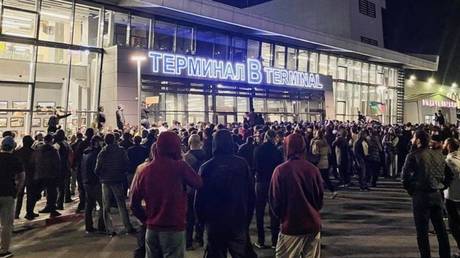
column 183, row 181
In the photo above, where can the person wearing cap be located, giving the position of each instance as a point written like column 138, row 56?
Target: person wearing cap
column 12, row 178
column 423, row 177
column 296, row 197
column 266, row 158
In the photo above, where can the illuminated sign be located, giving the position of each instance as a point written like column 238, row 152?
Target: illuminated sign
column 439, row 103
column 251, row 72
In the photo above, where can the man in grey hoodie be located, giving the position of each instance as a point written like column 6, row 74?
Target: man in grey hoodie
column 452, row 194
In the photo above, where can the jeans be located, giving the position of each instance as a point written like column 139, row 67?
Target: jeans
column 7, row 219
column 327, row 180
column 343, row 172
column 221, row 241
column 164, row 244
column 139, row 252
column 93, row 196
column 192, row 224
column 261, row 202
column 119, row 194
column 81, row 191
column 32, row 193
column 373, row 170
column 50, row 185
column 391, row 168
column 453, row 212
column 63, row 190
column 362, row 173
column 426, row 207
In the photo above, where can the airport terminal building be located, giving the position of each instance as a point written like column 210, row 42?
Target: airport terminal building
column 205, row 61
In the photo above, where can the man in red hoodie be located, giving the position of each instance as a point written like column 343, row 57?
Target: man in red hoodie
column 161, row 186
column 296, row 197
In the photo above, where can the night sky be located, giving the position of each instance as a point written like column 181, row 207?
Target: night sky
column 426, row 27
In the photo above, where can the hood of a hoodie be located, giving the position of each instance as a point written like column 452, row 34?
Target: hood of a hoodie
column 222, row 143
column 294, row 145
column 168, row 146
column 453, row 161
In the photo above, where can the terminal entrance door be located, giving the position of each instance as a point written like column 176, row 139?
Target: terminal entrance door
column 226, row 118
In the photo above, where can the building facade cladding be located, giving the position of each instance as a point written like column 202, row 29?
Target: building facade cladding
column 74, row 56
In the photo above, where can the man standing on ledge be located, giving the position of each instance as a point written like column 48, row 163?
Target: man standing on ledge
column 424, row 174
column 53, row 121
column 120, row 118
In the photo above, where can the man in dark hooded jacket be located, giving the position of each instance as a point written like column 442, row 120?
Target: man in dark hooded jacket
column 112, row 167
column 266, row 158
column 93, row 188
column 225, row 202
column 25, row 154
column 47, row 169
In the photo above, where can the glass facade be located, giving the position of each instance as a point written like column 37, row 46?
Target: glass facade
column 51, row 56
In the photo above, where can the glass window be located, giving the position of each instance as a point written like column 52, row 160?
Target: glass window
column 253, row 49
column 372, row 74
column 51, row 81
column 15, row 60
column 15, row 96
column 323, row 64
column 21, row 4
column 184, row 39
column 17, row 23
column 333, row 66
column 313, row 63
column 280, row 56
column 340, row 91
column 86, row 26
column 350, row 70
column 342, row 73
column 291, row 59
column 225, row 104
column 56, row 21
column 238, row 49
column 259, row 105
column 83, row 90
column 357, row 71
column 204, row 43
column 303, row 60
column 115, row 28
column 365, row 74
column 139, row 33
column 267, row 54
column 221, row 42
column 164, row 36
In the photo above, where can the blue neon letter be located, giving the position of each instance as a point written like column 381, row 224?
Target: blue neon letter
column 254, row 71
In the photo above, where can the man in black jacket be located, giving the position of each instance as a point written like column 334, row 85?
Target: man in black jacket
column 24, row 154
column 47, row 169
column 266, row 158
column 137, row 155
column 92, row 185
column 424, row 175
column 112, row 167
column 225, row 202
column 77, row 160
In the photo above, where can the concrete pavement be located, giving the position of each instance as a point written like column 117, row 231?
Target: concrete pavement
column 356, row 225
